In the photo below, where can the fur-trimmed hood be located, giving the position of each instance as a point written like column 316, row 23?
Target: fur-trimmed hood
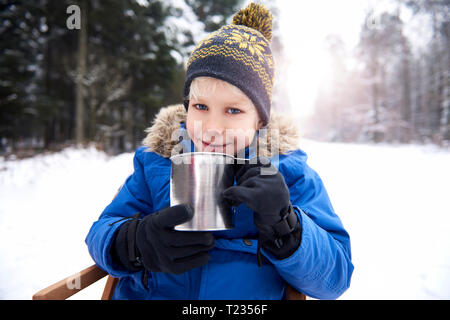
column 281, row 134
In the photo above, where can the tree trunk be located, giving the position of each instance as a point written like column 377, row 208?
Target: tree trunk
column 445, row 123
column 81, row 71
column 445, row 95
column 377, row 135
column 48, row 92
column 406, row 93
column 434, row 103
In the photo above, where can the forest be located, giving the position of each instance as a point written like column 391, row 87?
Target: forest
column 102, row 80
column 397, row 89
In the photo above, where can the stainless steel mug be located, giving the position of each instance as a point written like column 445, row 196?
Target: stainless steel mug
column 198, row 179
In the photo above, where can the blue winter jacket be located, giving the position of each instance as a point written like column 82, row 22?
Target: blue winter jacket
column 321, row 267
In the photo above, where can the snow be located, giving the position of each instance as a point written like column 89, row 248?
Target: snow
column 47, row 205
column 391, row 199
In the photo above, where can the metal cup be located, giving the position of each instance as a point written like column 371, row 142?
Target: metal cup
column 198, row 179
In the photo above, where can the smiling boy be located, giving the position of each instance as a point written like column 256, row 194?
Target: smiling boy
column 226, row 118
column 285, row 228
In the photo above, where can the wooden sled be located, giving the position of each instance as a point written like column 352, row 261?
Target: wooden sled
column 62, row 290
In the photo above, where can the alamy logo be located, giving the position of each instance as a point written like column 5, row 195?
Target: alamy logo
column 74, row 20
column 74, row 282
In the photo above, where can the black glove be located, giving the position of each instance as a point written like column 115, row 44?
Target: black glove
column 263, row 189
column 152, row 243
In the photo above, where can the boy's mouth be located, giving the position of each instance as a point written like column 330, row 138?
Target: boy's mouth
column 213, row 147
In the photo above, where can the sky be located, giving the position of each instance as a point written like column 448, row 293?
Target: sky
column 304, row 26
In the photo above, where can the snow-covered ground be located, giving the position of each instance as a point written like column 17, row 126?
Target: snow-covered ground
column 47, row 205
column 393, row 200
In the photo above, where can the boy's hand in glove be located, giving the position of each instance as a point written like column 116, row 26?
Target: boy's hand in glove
column 263, row 189
column 152, row 243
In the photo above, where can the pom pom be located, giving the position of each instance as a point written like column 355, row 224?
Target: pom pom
column 255, row 16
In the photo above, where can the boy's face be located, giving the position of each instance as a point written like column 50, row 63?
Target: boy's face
column 221, row 118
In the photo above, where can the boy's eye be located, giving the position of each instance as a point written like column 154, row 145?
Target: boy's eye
column 200, row 106
column 234, row 111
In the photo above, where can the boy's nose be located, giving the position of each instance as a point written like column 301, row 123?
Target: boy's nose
column 214, row 128
column 213, row 136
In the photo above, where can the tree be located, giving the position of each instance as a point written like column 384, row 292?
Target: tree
column 436, row 109
column 385, row 52
column 81, row 72
column 18, row 66
column 400, row 89
column 122, row 77
column 214, row 13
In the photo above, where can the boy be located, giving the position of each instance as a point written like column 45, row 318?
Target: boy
column 285, row 229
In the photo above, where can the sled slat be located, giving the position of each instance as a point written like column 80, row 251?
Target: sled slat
column 292, row 294
column 109, row 288
column 67, row 287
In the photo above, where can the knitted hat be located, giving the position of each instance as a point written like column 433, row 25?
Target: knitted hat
column 240, row 54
